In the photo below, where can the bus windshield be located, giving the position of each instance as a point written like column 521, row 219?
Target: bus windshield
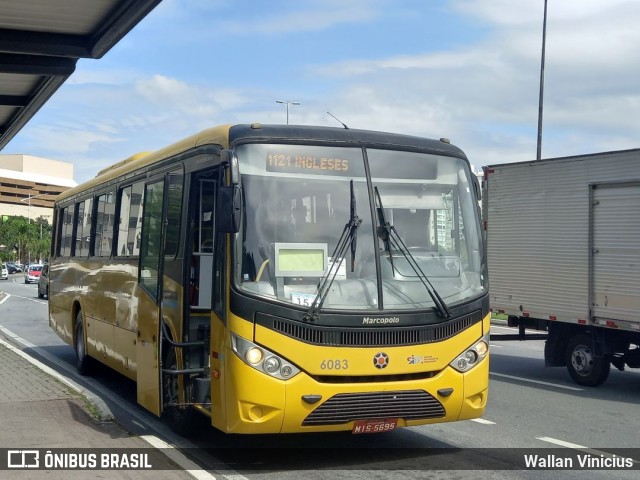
column 298, row 199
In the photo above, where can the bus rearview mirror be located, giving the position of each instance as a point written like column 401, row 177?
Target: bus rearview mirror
column 229, row 209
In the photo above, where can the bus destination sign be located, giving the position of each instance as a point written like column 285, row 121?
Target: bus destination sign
column 310, row 164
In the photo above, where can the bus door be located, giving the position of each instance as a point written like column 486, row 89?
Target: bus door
column 185, row 376
column 160, row 278
column 150, row 286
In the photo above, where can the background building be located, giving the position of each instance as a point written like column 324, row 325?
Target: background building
column 29, row 185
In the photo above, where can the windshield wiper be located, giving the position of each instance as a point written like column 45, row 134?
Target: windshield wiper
column 392, row 241
column 349, row 236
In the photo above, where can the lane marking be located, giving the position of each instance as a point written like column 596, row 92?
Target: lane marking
column 537, row 382
column 575, row 446
column 562, row 443
column 6, row 297
column 36, row 300
column 178, row 458
column 483, row 421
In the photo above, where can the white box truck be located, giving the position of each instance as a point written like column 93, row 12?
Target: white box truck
column 563, row 250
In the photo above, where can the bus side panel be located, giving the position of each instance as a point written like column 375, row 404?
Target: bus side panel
column 99, row 339
column 124, row 290
column 61, row 323
column 61, row 296
column 147, row 351
column 124, row 346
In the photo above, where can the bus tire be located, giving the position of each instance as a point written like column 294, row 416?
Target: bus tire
column 185, row 421
column 584, row 366
column 83, row 361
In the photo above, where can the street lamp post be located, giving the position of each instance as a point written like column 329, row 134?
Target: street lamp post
column 29, row 215
column 541, row 93
column 287, row 103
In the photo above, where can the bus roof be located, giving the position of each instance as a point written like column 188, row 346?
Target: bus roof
column 303, row 133
column 226, row 135
column 212, row 136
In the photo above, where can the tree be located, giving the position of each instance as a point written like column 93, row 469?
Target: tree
column 24, row 239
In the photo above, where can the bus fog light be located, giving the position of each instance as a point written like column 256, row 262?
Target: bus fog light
column 462, row 364
column 271, row 364
column 254, row 356
column 286, row 371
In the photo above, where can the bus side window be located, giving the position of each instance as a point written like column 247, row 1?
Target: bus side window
column 83, row 228
column 104, row 225
column 66, row 229
column 130, row 220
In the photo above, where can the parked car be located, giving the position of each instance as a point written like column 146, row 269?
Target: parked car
column 32, row 273
column 13, row 268
column 43, row 282
column 4, row 272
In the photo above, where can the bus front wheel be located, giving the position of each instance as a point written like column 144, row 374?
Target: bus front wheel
column 83, row 361
column 183, row 420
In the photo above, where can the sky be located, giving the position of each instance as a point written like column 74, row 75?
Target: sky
column 467, row 70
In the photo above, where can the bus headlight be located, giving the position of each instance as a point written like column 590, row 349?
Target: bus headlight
column 262, row 359
column 253, row 355
column 472, row 355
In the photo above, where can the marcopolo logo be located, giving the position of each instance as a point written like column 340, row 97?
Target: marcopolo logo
column 380, row 320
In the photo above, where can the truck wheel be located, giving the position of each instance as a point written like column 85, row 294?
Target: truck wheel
column 583, row 365
column 183, row 420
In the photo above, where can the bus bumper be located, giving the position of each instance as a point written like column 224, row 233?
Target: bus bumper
column 259, row 404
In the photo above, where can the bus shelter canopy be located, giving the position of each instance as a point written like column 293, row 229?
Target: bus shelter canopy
column 41, row 41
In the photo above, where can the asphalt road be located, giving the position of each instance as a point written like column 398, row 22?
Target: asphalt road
column 532, row 410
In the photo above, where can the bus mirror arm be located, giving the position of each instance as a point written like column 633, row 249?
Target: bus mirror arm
column 228, row 158
column 229, row 211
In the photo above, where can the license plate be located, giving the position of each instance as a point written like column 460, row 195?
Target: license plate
column 374, row 426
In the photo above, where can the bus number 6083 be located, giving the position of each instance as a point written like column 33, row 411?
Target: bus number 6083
column 340, row 364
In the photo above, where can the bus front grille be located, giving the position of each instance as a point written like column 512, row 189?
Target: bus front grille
column 370, row 337
column 347, row 407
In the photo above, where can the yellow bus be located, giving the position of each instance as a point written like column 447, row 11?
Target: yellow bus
column 281, row 279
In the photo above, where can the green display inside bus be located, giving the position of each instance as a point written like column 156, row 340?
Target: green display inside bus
column 300, row 262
